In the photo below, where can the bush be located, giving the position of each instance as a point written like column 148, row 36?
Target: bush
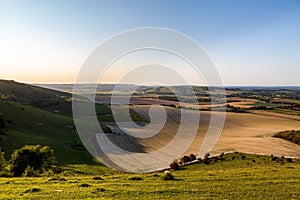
column 30, row 172
column 2, row 160
column 168, row 176
column 135, row 178
column 274, row 158
column 289, row 160
column 184, row 159
column 206, row 159
column 192, row 157
column 84, row 185
column 5, row 174
column 32, row 160
column 175, row 165
column 96, row 178
column 57, row 179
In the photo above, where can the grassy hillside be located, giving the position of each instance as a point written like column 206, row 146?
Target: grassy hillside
column 36, row 115
column 31, row 95
column 254, row 177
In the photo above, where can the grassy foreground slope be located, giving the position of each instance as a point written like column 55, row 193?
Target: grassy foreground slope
column 254, row 177
column 37, row 115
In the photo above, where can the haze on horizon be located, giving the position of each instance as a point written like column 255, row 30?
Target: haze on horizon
column 251, row 42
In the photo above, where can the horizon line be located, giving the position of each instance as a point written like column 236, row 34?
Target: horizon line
column 112, row 83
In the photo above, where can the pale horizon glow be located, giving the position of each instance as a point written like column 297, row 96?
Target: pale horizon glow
column 251, row 42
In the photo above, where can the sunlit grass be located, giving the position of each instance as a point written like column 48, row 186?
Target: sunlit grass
column 256, row 177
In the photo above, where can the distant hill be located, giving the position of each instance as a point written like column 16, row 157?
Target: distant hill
column 263, row 87
column 157, row 89
column 127, row 88
column 35, row 115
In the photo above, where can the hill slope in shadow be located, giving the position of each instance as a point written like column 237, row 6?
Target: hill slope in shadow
column 35, row 115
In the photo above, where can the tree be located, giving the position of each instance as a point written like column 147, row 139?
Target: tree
column 175, row 165
column 36, row 158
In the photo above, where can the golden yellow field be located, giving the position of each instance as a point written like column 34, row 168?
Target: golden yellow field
column 243, row 132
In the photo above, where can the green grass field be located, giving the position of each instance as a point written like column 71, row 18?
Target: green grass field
column 31, row 125
column 41, row 116
column 229, row 179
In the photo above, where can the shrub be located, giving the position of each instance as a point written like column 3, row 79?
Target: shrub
column 175, row 165
column 96, row 178
column 33, row 190
column 30, row 172
column 84, row 185
column 206, row 160
column 57, row 179
column 5, row 174
column 185, row 159
column 274, row 158
column 135, row 178
column 35, row 158
column 289, row 160
column 168, row 176
column 2, row 160
column 192, row 157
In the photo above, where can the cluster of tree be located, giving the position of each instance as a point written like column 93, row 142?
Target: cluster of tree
column 292, row 136
column 177, row 163
column 169, row 98
column 230, row 108
column 31, row 160
column 266, row 94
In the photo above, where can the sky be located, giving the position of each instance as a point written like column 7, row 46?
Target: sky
column 253, row 42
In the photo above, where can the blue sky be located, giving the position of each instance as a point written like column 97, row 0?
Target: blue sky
column 251, row 42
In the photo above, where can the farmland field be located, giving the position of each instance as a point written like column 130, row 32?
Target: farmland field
column 245, row 132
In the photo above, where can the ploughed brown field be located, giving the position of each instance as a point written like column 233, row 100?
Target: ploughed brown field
column 242, row 132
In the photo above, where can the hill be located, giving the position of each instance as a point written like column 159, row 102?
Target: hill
column 35, row 115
